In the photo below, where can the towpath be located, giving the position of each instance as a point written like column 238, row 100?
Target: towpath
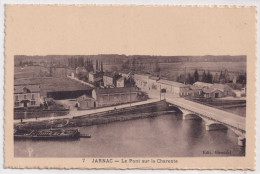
column 90, row 111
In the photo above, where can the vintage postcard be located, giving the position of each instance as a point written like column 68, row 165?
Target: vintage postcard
column 130, row 87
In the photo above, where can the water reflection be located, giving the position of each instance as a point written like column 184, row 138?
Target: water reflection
column 162, row 136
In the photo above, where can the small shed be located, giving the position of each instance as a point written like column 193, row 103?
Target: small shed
column 85, row 102
column 212, row 93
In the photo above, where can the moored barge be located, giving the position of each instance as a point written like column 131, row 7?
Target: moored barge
column 52, row 134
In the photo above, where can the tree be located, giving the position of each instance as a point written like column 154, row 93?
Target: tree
column 97, row 65
column 133, row 64
column 157, row 68
column 20, row 63
column 129, row 82
column 101, row 66
column 190, row 79
column 181, row 78
column 204, row 77
column 209, row 77
column 226, row 75
column 125, row 65
column 89, row 66
column 241, row 79
column 196, row 76
column 221, row 76
column 216, row 78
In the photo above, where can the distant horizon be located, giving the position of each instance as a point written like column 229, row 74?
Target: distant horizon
column 204, row 58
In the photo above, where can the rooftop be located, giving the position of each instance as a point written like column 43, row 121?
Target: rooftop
column 109, row 74
column 172, row 83
column 154, row 78
column 84, row 97
column 194, row 87
column 115, row 90
column 53, row 84
column 30, row 88
column 202, row 84
column 125, row 71
column 209, row 90
column 121, row 79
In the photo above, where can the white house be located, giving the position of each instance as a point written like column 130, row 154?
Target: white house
column 175, row 88
column 27, row 96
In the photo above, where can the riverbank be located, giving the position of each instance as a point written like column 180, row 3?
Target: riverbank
column 123, row 114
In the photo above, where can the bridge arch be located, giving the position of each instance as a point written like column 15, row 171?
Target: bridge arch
column 187, row 115
column 215, row 126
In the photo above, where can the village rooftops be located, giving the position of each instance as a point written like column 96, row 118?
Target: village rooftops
column 172, row 83
column 101, row 91
column 96, row 74
column 84, row 97
column 202, row 84
column 124, row 71
column 192, row 87
column 142, row 75
column 154, row 78
column 121, row 79
column 97, row 79
column 81, row 69
column 221, row 87
column 210, row 90
column 30, row 88
column 111, row 75
column 216, row 86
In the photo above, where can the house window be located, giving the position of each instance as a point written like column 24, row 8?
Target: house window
column 33, row 103
column 16, row 104
column 25, row 96
column 33, row 98
column 16, row 98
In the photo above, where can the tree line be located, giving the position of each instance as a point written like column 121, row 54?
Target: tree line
column 86, row 63
column 207, row 77
column 135, row 64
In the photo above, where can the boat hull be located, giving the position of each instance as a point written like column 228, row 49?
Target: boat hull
column 48, row 134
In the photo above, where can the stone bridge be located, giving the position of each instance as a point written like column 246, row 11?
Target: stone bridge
column 215, row 119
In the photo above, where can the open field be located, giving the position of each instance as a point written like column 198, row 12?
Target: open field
column 30, row 72
column 172, row 70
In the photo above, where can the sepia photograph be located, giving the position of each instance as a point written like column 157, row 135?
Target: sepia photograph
column 130, row 87
column 129, row 106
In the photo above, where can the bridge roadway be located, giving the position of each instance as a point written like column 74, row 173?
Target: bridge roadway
column 220, row 116
column 217, row 115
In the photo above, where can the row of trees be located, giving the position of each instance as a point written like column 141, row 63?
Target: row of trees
column 135, row 64
column 23, row 63
column 78, row 62
column 99, row 65
column 222, row 77
column 88, row 64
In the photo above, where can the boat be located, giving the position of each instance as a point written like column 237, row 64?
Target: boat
column 53, row 134
column 85, row 136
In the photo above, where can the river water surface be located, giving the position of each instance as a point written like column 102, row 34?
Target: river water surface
column 163, row 136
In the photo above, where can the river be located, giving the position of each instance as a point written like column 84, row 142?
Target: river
column 163, row 136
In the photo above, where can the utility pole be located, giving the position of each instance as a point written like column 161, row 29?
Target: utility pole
column 130, row 95
column 160, row 92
